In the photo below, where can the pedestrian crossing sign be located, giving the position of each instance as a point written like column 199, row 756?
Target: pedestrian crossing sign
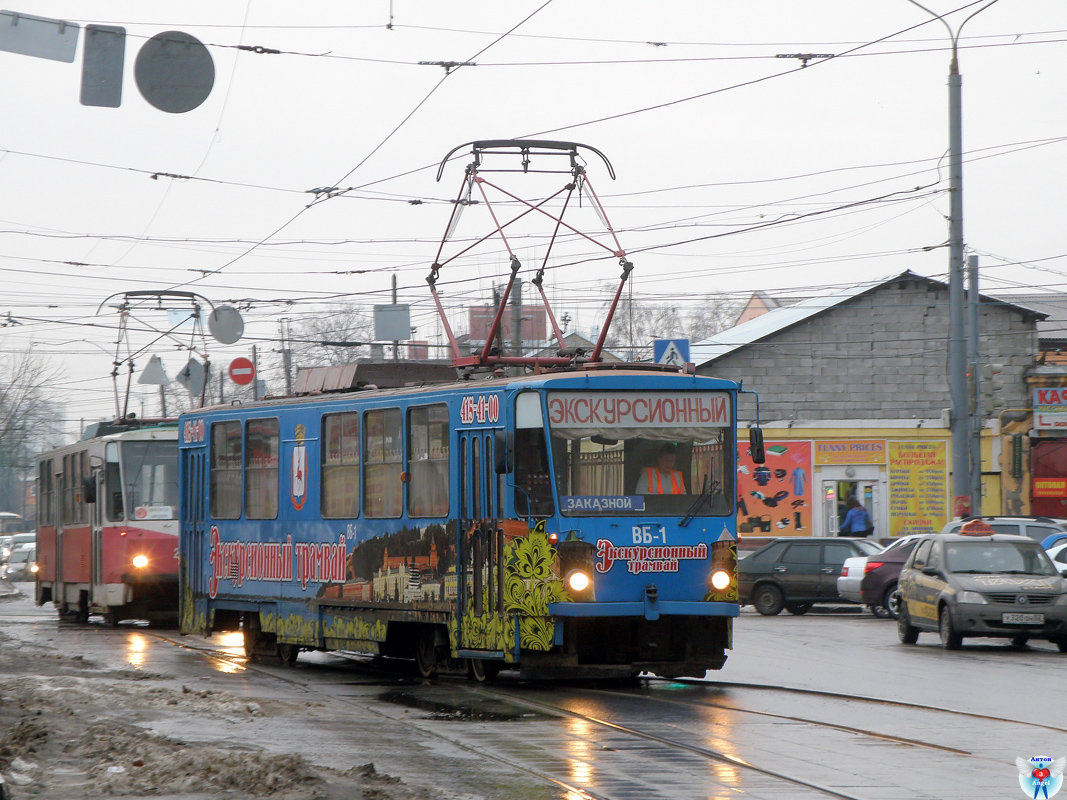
column 671, row 351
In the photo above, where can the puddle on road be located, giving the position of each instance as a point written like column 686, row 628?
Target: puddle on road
column 487, row 710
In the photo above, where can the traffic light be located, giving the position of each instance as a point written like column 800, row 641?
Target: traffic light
column 992, row 388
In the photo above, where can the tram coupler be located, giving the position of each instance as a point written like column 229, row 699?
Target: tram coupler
column 651, row 602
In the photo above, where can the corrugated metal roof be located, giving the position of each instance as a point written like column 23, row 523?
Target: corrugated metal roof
column 784, row 317
column 776, row 320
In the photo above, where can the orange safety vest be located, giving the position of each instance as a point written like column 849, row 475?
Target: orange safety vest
column 655, row 482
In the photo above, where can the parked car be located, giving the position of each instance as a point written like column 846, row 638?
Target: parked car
column 1058, row 554
column 1053, row 538
column 796, row 573
column 994, row 585
column 878, row 589
column 21, row 564
column 853, row 571
column 1037, row 528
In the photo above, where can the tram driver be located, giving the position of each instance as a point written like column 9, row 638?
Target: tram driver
column 662, row 477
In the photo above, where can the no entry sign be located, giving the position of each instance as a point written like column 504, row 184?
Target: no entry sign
column 242, row 371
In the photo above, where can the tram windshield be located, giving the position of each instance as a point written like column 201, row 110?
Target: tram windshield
column 642, row 453
column 150, row 479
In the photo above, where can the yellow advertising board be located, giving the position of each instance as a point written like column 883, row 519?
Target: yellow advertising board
column 918, row 487
column 850, row 451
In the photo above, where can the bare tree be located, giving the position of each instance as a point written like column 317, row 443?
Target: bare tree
column 714, row 313
column 29, row 421
column 350, row 326
column 638, row 322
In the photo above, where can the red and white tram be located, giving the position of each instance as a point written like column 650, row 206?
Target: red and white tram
column 107, row 523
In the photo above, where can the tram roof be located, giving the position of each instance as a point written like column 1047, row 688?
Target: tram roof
column 607, row 378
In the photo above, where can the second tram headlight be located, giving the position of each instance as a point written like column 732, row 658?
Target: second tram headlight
column 140, row 561
column 578, row 581
column 720, row 579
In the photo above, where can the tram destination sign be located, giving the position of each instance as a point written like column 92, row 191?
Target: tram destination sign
column 638, row 409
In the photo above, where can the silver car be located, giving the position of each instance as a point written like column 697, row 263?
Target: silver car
column 982, row 584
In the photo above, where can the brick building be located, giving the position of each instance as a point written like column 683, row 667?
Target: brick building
column 854, row 386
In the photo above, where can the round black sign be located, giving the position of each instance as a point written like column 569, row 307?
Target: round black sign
column 174, row 72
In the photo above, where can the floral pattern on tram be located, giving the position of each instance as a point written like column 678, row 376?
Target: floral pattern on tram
column 531, row 582
column 291, row 628
column 362, row 630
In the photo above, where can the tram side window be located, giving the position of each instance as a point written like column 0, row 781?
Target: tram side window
column 113, row 483
column 46, row 493
column 340, row 466
column 428, row 434
column 226, row 462
column 383, row 489
column 75, row 468
column 261, row 469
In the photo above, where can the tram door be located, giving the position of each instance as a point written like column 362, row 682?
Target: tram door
column 193, row 561
column 480, row 563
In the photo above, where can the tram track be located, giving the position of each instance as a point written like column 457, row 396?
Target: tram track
column 865, row 699
column 659, row 746
column 578, row 792
column 547, row 708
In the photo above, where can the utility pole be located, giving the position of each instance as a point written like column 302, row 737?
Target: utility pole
column 255, row 374
column 962, row 457
column 396, row 342
column 287, row 354
column 516, row 321
column 973, row 300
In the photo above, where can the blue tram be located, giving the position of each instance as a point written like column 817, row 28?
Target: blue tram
column 509, row 523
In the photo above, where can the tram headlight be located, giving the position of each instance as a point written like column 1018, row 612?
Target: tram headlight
column 140, row 561
column 720, row 579
column 34, row 568
column 578, row 581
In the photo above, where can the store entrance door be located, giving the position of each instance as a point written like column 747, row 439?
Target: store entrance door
column 835, row 496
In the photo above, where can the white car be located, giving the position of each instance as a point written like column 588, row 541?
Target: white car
column 1058, row 554
column 852, row 572
column 848, row 582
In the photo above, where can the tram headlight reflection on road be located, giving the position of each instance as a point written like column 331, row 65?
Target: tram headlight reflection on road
column 140, row 561
column 720, row 579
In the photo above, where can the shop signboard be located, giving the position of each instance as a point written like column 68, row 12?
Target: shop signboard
column 918, row 487
column 1050, row 408
column 850, row 451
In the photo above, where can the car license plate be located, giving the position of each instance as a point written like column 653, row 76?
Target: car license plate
column 1023, row 619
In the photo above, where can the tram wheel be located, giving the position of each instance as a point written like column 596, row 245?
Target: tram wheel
column 288, row 652
column 480, row 670
column 425, row 653
column 768, row 600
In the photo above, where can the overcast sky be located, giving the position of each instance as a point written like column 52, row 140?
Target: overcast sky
column 737, row 170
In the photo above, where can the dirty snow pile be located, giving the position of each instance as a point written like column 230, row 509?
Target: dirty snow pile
column 69, row 731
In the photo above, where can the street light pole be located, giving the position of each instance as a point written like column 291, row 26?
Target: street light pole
column 962, row 455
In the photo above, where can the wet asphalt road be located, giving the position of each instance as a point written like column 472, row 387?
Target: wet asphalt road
column 724, row 738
